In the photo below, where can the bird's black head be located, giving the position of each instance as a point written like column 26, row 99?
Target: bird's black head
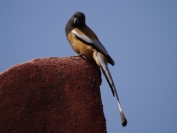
column 78, row 19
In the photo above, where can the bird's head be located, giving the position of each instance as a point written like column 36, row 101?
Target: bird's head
column 78, row 19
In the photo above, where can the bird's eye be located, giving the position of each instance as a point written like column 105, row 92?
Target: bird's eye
column 76, row 16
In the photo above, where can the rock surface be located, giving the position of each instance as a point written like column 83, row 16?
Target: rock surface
column 52, row 95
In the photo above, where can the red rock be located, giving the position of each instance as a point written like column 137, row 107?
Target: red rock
column 52, row 95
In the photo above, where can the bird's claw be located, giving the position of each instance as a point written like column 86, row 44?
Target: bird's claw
column 83, row 56
column 80, row 54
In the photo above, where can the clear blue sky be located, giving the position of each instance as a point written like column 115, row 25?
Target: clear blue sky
column 140, row 35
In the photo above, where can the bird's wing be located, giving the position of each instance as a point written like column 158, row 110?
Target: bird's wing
column 95, row 42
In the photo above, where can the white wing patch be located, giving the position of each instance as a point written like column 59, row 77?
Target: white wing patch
column 95, row 42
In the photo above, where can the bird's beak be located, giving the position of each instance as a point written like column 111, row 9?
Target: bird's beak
column 75, row 19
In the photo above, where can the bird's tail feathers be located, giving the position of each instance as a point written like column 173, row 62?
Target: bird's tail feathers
column 110, row 81
column 106, row 73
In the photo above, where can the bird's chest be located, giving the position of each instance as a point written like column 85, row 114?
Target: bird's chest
column 80, row 47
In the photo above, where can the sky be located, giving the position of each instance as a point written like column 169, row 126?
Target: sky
column 140, row 35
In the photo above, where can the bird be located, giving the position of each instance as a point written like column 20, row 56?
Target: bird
column 87, row 45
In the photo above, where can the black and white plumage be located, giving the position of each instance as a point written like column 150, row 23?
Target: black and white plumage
column 85, row 42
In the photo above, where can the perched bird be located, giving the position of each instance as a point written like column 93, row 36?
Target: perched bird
column 86, row 44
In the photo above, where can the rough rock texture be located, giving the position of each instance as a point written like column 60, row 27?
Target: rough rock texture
column 52, row 95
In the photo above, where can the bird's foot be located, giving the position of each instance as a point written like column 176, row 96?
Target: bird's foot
column 83, row 56
column 80, row 54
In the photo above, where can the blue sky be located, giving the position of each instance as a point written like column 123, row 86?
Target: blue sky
column 141, row 37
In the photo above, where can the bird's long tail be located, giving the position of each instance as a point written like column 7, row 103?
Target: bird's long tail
column 109, row 79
